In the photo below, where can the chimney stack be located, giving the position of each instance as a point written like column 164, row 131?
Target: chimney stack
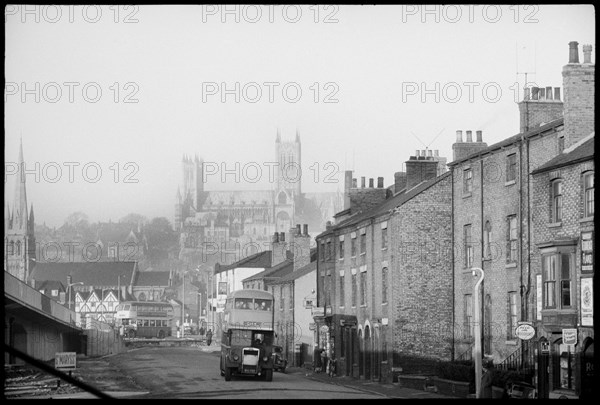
column 347, row 187
column 587, row 54
column 459, row 136
column 399, row 181
column 300, row 247
column 574, row 52
column 419, row 170
column 579, row 101
column 278, row 248
column 354, row 183
column 461, row 150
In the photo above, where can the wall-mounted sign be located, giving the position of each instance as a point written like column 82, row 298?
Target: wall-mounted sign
column 587, row 251
column 310, row 302
column 569, row 336
column 525, row 331
column 587, row 302
column 312, row 326
column 222, row 288
column 539, row 285
column 318, row 311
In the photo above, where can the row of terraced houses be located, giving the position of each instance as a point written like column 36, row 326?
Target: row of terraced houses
column 397, row 271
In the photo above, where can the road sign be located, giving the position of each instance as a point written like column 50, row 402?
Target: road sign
column 65, row 360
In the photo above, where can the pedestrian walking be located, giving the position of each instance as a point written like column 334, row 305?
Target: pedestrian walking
column 209, row 337
column 486, row 379
column 317, row 360
column 324, row 360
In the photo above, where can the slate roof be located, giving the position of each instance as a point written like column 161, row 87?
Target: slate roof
column 152, row 278
column 90, row 273
column 279, row 270
column 260, row 260
column 581, row 153
column 511, row 140
column 386, row 206
column 309, row 268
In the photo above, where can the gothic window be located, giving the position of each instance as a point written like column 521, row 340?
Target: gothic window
column 282, row 199
column 18, row 248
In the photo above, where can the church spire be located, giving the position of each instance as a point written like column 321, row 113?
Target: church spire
column 297, row 136
column 278, row 139
column 20, row 202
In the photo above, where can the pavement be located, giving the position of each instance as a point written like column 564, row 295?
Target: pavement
column 103, row 374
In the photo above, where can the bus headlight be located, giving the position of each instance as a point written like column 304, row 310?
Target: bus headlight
column 236, row 357
column 265, row 359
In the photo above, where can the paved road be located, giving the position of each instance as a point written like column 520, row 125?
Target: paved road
column 193, row 372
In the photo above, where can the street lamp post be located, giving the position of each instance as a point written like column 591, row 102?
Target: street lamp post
column 477, row 331
column 69, row 287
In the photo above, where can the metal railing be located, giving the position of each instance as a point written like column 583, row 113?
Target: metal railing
column 522, row 359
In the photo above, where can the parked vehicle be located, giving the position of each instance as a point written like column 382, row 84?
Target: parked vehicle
column 279, row 360
column 521, row 390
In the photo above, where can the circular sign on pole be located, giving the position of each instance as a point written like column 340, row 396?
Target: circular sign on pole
column 525, row 332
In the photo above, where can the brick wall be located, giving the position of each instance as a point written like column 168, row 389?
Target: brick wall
column 578, row 84
column 421, row 275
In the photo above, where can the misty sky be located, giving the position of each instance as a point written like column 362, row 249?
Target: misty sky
column 129, row 90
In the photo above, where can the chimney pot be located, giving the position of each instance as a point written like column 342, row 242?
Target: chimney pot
column 469, row 136
column 549, row 93
column 298, row 229
column 379, row 182
column 371, row 185
column 527, row 94
column 542, row 93
column 573, row 52
column 305, row 229
column 354, row 184
column 429, row 152
column 479, row 136
column 587, row 54
column 459, row 136
column 534, row 93
column 557, row 93
column 282, row 237
column 362, row 182
column 276, row 237
column 436, row 153
column 417, row 153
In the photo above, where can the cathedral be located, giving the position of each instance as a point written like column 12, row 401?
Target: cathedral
column 226, row 226
column 19, row 238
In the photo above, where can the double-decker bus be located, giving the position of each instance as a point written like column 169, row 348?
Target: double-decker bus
column 146, row 319
column 247, row 339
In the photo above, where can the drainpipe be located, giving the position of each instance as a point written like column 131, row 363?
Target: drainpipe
column 477, row 325
column 453, row 268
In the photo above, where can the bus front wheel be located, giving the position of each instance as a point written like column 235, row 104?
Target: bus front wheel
column 227, row 374
column 131, row 333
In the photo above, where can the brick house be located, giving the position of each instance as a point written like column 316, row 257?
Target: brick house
column 563, row 225
column 495, row 210
column 384, row 279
